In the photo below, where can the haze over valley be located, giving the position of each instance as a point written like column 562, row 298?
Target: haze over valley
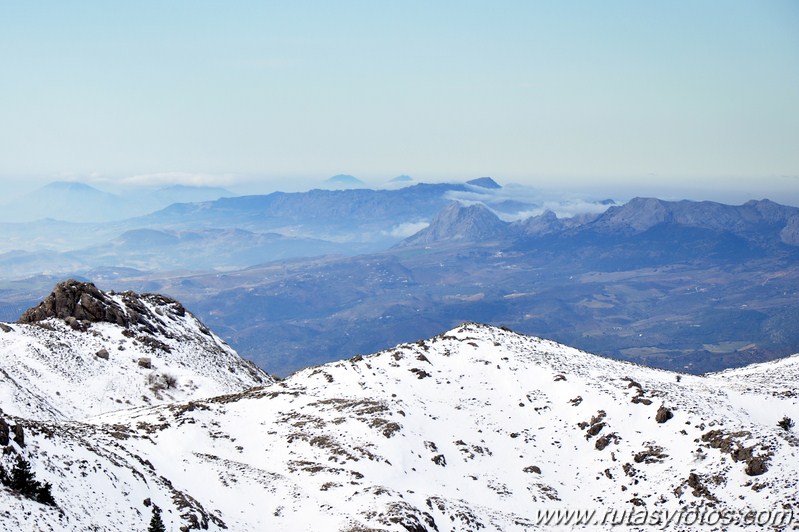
column 302, row 278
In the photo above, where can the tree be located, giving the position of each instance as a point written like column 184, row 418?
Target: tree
column 156, row 524
column 23, row 480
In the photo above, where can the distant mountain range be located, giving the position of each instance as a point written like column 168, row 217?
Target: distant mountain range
column 123, row 410
column 81, row 203
column 233, row 232
column 690, row 293
column 761, row 222
column 695, row 286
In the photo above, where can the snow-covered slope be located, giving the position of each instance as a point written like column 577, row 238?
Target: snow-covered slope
column 83, row 352
column 479, row 428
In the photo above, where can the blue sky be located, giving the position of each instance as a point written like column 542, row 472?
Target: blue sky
column 694, row 95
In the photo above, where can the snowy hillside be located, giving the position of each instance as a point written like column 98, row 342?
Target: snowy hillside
column 82, row 352
column 478, row 428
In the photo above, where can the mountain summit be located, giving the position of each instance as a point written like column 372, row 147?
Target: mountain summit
column 344, row 180
column 459, row 223
column 484, row 182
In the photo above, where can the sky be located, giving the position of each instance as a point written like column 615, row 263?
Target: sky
column 694, row 97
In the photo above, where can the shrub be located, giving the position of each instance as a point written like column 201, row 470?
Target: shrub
column 170, row 381
column 785, row 423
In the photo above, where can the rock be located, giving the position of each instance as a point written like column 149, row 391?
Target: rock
column 756, row 466
column 75, row 324
column 5, row 328
column 102, row 353
column 663, row 415
column 19, row 435
column 78, row 301
column 80, row 304
column 532, row 469
column 699, row 489
column 594, row 429
column 4, row 432
column 145, row 362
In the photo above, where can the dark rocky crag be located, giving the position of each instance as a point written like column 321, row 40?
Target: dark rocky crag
column 80, row 304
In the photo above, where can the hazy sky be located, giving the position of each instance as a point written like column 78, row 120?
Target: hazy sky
column 642, row 94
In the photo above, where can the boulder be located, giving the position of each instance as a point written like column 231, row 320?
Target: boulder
column 663, row 415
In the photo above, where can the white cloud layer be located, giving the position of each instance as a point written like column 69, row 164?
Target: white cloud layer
column 407, row 229
column 179, row 178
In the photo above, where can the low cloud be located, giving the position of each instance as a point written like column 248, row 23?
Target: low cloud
column 407, row 229
column 562, row 209
column 179, row 178
column 539, row 201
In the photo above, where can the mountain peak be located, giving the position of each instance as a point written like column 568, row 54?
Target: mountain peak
column 460, row 223
column 344, row 180
column 71, row 186
column 543, row 224
column 485, row 182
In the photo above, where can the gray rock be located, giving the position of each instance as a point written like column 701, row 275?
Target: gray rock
column 4, row 428
column 19, row 435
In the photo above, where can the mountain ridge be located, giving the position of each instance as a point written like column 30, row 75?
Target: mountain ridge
column 476, row 428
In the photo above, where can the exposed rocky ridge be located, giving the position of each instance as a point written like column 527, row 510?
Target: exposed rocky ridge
column 749, row 219
column 475, row 429
column 761, row 222
column 74, row 300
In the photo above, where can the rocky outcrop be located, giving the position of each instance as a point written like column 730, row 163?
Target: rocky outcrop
column 80, row 303
column 77, row 300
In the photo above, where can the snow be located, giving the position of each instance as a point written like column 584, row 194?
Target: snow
column 359, row 443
